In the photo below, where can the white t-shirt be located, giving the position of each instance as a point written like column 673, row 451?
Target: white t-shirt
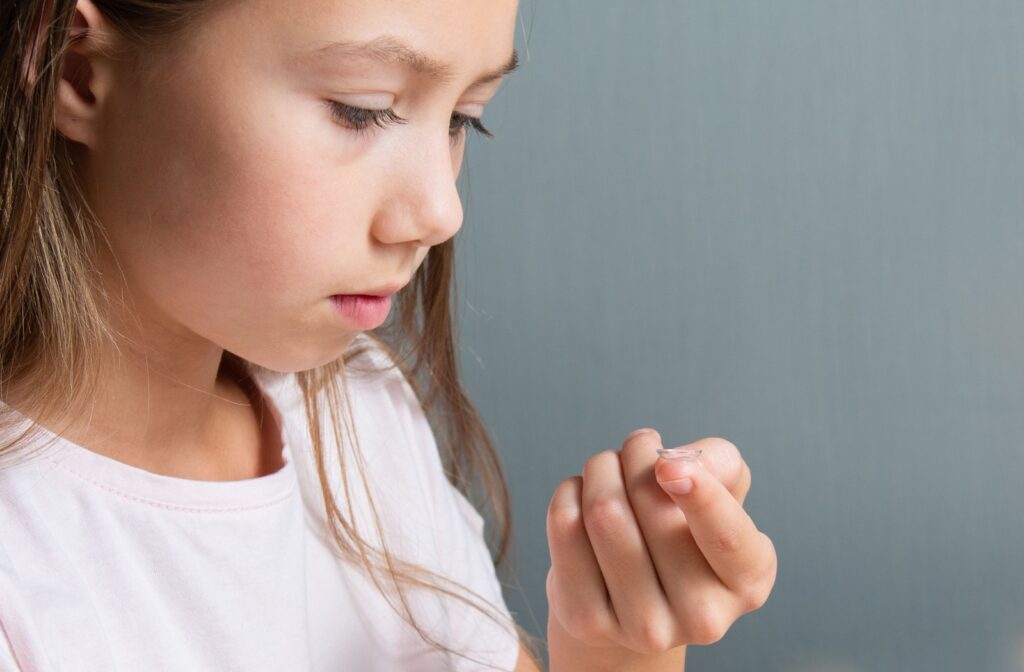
column 108, row 567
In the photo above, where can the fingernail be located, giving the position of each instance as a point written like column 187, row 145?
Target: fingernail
column 675, row 476
column 638, row 432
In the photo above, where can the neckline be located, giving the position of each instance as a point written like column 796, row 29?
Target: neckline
column 171, row 492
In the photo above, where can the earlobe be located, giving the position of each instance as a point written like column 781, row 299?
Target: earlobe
column 85, row 76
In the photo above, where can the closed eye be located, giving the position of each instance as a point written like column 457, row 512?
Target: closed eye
column 360, row 119
column 461, row 121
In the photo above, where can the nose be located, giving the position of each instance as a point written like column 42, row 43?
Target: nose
column 422, row 203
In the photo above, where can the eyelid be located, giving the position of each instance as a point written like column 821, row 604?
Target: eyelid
column 367, row 101
column 360, row 119
column 464, row 121
column 474, row 110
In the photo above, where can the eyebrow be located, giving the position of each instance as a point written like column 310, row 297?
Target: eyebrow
column 388, row 49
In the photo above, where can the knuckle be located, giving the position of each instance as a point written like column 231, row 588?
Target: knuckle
column 566, row 493
column 705, row 623
column 585, row 625
column 549, row 586
column 709, row 631
column 728, row 542
column 564, row 518
column 771, row 548
column 598, row 461
column 564, row 522
column 650, row 636
column 746, row 478
column 641, row 436
column 754, row 591
column 567, row 488
column 726, row 454
column 755, row 588
column 753, row 594
column 605, row 516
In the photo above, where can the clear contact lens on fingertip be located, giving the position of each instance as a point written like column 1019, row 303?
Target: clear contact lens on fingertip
column 680, row 453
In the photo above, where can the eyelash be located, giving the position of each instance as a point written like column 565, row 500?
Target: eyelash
column 360, row 119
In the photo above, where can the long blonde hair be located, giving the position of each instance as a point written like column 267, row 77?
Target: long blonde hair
column 52, row 325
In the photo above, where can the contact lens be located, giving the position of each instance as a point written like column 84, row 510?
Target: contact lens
column 680, row 453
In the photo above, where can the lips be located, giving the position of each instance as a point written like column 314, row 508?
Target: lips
column 386, row 290
column 365, row 311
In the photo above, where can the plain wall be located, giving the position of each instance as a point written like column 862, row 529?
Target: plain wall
column 797, row 225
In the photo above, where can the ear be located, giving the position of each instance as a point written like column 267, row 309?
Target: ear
column 87, row 76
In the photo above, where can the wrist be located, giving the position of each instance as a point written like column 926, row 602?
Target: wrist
column 568, row 654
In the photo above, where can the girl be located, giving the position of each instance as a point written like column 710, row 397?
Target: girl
column 216, row 451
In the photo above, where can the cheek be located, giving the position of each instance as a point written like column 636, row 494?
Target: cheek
column 230, row 219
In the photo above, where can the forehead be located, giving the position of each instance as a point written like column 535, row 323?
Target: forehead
column 444, row 39
column 389, row 49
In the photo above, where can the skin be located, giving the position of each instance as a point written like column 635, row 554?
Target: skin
column 236, row 205
column 639, row 569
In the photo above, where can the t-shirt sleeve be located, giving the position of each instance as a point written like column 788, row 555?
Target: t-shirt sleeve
column 464, row 556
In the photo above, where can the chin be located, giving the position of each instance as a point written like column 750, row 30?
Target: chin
column 295, row 361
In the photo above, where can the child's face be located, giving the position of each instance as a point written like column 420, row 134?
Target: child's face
column 237, row 204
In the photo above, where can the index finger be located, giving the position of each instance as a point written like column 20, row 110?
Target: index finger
column 737, row 551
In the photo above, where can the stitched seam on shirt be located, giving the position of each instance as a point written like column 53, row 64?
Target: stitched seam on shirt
column 174, row 507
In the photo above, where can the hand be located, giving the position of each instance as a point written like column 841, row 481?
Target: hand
column 636, row 564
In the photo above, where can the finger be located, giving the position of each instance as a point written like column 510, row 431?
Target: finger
column 576, row 589
column 741, row 555
column 682, row 568
column 638, row 600
column 723, row 460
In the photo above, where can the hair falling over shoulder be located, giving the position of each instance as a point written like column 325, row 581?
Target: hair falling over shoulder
column 52, row 318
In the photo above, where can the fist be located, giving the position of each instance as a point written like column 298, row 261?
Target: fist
column 649, row 554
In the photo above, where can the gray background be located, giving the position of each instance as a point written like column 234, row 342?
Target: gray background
column 796, row 225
